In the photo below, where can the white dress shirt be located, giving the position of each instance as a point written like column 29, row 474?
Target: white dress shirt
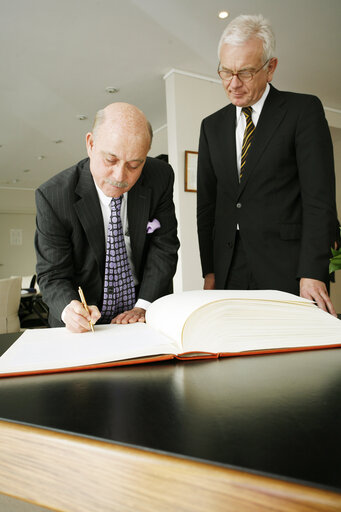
column 106, row 212
column 241, row 123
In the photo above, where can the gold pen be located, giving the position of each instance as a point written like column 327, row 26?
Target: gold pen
column 81, row 294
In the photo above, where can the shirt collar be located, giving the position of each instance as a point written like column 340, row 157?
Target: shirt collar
column 257, row 107
column 105, row 200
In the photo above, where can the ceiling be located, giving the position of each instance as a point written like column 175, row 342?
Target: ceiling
column 58, row 57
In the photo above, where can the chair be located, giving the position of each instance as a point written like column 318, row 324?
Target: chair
column 33, row 312
column 29, row 283
column 10, row 294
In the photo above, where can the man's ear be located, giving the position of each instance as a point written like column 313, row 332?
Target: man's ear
column 89, row 143
column 271, row 68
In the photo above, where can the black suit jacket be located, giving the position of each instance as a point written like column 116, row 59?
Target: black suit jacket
column 285, row 205
column 70, row 241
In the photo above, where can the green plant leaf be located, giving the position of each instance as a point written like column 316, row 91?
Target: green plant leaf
column 336, row 252
column 335, row 262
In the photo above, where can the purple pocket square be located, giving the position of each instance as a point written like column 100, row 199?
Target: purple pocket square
column 152, row 226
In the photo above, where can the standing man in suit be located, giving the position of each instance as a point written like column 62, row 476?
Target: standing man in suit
column 118, row 195
column 266, row 207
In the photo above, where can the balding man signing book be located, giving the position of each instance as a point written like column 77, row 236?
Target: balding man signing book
column 107, row 225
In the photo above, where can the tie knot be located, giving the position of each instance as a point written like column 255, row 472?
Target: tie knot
column 247, row 111
column 116, row 203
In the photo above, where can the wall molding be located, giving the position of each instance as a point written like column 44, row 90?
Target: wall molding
column 192, row 75
column 4, row 187
column 330, row 109
column 160, row 128
column 335, row 113
column 17, row 212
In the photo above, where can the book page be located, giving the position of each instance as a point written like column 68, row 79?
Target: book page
column 242, row 325
column 169, row 314
column 50, row 349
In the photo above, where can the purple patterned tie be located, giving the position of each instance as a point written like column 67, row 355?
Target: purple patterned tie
column 119, row 290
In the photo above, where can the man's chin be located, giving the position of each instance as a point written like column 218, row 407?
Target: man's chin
column 239, row 101
column 117, row 192
column 112, row 191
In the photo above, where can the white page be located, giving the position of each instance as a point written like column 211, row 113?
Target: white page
column 41, row 349
column 170, row 313
column 243, row 325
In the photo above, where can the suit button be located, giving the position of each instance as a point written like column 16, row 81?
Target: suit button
column 229, row 245
column 239, row 205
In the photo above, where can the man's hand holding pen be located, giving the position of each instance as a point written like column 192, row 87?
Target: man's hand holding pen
column 78, row 319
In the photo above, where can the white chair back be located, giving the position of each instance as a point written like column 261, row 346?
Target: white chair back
column 10, row 294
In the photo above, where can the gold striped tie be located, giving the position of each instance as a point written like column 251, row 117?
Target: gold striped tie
column 248, row 134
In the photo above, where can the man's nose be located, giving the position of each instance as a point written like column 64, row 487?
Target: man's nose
column 235, row 82
column 119, row 172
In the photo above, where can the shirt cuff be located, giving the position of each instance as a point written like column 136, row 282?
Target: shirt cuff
column 63, row 314
column 141, row 303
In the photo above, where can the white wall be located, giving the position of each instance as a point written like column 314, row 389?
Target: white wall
column 189, row 99
column 16, row 200
column 160, row 142
column 17, row 212
column 17, row 259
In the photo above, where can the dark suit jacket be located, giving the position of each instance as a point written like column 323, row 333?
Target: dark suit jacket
column 285, row 205
column 70, row 241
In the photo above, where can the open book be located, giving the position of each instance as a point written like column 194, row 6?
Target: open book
column 189, row 325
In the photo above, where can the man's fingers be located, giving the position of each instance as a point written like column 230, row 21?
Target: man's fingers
column 76, row 317
column 328, row 303
column 95, row 315
column 316, row 290
column 130, row 317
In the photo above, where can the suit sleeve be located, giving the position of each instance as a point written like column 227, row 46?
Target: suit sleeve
column 314, row 154
column 159, row 265
column 54, row 257
column 206, row 203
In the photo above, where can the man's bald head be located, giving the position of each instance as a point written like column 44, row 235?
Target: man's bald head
column 124, row 116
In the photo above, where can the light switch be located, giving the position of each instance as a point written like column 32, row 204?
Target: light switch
column 15, row 236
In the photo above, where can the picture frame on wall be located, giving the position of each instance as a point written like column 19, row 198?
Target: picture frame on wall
column 191, row 163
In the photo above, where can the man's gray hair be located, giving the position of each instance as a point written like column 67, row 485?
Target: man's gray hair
column 99, row 119
column 244, row 27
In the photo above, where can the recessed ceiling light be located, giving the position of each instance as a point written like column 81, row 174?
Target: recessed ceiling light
column 223, row 15
column 58, row 141
column 111, row 90
column 41, row 157
column 82, row 117
column 15, row 180
column 27, row 170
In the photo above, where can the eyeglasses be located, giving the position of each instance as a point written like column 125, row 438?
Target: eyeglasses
column 243, row 76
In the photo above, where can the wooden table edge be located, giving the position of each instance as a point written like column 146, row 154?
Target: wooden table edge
column 70, row 473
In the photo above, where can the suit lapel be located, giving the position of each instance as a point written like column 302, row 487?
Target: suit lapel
column 89, row 212
column 139, row 198
column 269, row 120
column 226, row 142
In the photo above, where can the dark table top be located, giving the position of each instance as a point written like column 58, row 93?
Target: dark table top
column 278, row 414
